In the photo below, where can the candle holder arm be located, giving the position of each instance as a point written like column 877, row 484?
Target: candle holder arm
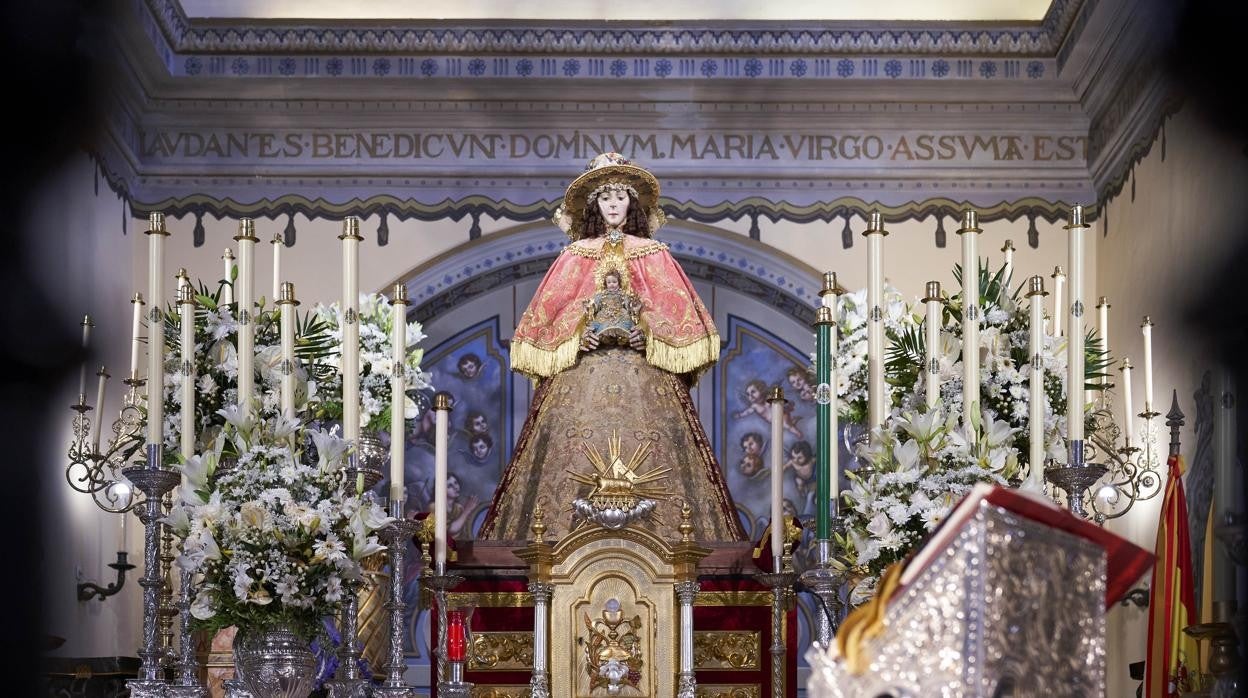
column 90, row 590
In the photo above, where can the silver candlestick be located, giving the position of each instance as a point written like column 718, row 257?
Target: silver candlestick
column 456, row 687
column 168, row 610
column 153, row 481
column 440, row 582
column 396, row 536
column 187, row 684
column 347, row 682
column 95, row 466
column 1076, row 477
column 781, row 584
column 824, row 581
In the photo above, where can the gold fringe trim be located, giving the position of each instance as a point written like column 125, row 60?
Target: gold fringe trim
column 535, row 362
column 692, row 358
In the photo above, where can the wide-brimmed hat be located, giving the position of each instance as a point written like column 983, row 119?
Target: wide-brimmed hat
column 609, row 168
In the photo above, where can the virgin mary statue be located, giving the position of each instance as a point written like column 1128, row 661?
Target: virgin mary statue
column 614, row 337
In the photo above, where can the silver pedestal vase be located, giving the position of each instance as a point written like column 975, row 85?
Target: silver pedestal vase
column 274, row 663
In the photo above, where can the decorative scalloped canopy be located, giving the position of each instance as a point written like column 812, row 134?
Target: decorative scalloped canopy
column 662, row 10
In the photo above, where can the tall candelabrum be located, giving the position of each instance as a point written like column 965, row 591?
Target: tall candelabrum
column 1111, row 468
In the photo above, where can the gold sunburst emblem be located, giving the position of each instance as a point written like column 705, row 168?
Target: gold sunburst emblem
column 617, row 484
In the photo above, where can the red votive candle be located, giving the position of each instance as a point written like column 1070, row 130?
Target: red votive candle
column 456, row 640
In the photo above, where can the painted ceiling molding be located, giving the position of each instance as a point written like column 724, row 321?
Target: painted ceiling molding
column 183, row 35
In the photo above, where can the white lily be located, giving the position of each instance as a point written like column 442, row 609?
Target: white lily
column 330, row 449
column 362, row 544
column 203, row 607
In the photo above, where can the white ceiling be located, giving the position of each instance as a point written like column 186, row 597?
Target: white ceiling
column 631, row 10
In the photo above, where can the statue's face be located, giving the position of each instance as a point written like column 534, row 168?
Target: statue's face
column 612, row 282
column 613, row 204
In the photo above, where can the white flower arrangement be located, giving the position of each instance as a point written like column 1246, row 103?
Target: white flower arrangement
column 376, row 365
column 216, row 365
column 851, row 356
column 925, row 460
column 919, row 467
column 271, row 540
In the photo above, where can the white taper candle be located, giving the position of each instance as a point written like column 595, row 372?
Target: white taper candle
column 1128, row 409
column 156, row 235
column 1147, row 329
column 1035, row 385
column 442, row 411
column 136, row 333
column 877, row 392
column 398, row 391
column 1008, row 251
column 931, row 362
column 970, row 231
column 245, row 296
column 102, row 374
column 1074, row 345
column 1102, row 328
column 1059, row 310
column 277, row 265
column 351, row 327
column 776, row 399
column 227, row 291
column 186, row 345
column 286, row 303
column 82, row 371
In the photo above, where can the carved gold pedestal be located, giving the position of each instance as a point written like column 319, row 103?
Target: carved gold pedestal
column 613, row 619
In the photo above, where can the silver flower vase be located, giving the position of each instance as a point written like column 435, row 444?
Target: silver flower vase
column 274, row 663
column 373, row 454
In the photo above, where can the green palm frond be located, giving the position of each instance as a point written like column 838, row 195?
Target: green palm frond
column 906, row 351
column 993, row 286
column 903, row 361
column 1096, row 361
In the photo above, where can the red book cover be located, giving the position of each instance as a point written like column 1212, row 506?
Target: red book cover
column 1124, row 563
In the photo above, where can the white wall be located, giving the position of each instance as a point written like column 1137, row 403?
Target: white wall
column 79, row 252
column 1158, row 255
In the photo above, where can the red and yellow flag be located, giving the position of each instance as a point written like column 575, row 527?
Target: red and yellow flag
column 1173, row 656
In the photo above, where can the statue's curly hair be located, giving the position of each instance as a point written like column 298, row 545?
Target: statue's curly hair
column 635, row 223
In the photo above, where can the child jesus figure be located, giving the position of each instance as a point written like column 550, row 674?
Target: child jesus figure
column 612, row 312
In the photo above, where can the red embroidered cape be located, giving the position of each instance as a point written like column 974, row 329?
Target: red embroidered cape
column 680, row 335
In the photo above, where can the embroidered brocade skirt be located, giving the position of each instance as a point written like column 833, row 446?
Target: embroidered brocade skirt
column 611, row 391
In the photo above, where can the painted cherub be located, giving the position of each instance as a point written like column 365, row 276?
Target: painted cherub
column 756, row 404
column 613, row 312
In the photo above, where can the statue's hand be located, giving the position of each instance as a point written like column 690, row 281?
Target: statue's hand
column 637, row 339
column 589, row 340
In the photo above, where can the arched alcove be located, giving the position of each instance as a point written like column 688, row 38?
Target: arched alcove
column 469, row 299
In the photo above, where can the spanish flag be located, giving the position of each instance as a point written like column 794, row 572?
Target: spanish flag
column 1173, row 656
